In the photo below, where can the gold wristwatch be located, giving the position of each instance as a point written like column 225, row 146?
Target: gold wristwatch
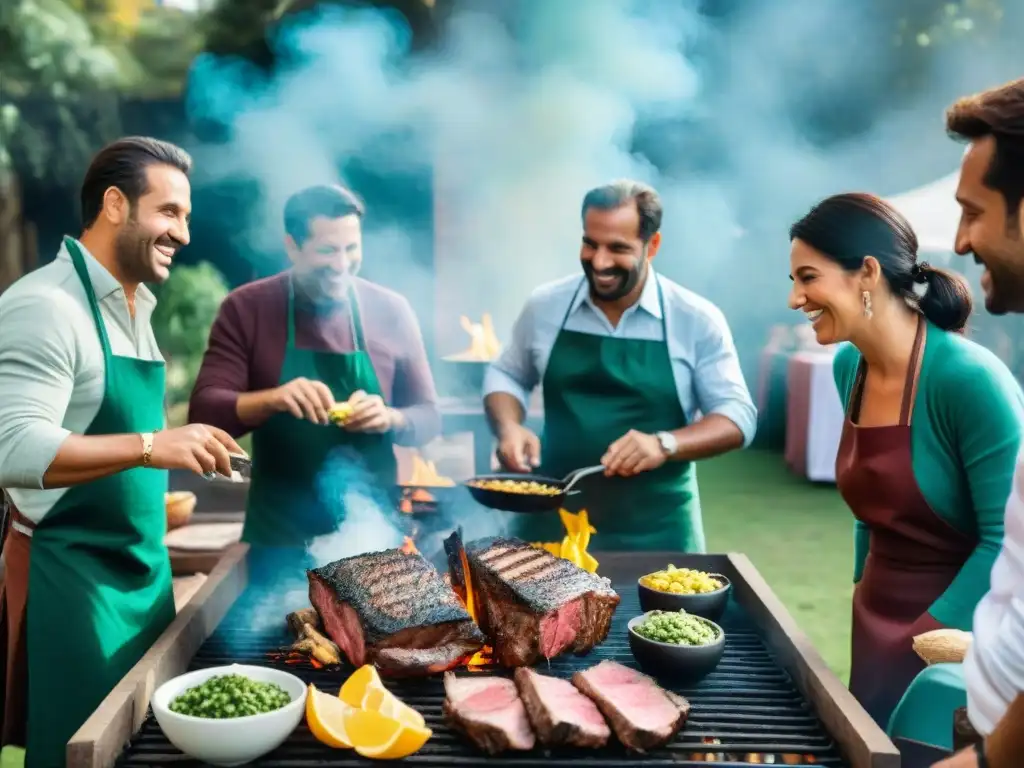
column 147, row 448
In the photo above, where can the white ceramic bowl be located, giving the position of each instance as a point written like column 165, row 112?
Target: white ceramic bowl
column 231, row 741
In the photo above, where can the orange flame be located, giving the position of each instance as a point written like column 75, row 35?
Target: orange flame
column 485, row 656
column 424, row 473
column 411, row 497
column 409, row 547
column 294, row 657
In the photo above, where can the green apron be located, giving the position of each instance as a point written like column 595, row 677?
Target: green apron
column 597, row 388
column 300, row 469
column 100, row 577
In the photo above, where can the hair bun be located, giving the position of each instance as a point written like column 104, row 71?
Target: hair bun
column 920, row 271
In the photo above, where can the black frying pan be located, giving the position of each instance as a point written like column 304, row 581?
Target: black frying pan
column 527, row 502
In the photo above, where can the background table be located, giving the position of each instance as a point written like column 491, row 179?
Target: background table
column 814, row 416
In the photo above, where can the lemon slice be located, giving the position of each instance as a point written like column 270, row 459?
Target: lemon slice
column 325, row 717
column 379, row 737
column 376, row 700
column 354, row 690
column 406, row 715
column 384, row 701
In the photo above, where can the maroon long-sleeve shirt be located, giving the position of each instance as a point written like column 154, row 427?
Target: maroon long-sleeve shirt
column 247, row 346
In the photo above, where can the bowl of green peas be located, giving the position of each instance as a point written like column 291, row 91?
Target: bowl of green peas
column 229, row 715
column 676, row 645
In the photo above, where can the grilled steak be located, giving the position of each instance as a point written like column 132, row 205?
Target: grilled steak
column 530, row 604
column 393, row 610
column 488, row 711
column 559, row 713
column 643, row 714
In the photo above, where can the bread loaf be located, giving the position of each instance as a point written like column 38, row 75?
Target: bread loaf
column 943, row 646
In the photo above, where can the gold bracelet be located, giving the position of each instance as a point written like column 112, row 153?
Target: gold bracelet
column 147, row 448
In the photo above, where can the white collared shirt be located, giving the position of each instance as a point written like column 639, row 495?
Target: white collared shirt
column 994, row 667
column 705, row 365
column 52, row 377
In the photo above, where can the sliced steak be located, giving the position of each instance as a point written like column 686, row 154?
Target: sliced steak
column 530, row 604
column 488, row 711
column 559, row 713
column 643, row 714
column 394, row 610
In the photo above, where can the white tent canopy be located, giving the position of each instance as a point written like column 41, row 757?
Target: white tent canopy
column 933, row 212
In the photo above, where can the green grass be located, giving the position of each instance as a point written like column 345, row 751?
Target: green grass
column 798, row 535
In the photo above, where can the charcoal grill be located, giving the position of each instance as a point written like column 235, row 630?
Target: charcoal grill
column 771, row 694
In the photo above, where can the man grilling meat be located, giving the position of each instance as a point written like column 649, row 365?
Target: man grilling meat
column 626, row 360
column 285, row 349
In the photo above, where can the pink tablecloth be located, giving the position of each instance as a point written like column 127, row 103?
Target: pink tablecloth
column 814, row 416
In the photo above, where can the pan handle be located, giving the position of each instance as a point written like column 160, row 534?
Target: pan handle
column 573, row 477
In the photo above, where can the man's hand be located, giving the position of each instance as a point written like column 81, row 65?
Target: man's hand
column 303, row 399
column 966, row 758
column 518, row 448
column 197, row 447
column 369, row 414
column 633, row 453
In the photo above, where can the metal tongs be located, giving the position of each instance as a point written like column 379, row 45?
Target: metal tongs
column 240, row 463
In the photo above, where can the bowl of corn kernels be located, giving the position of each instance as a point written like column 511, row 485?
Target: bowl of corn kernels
column 697, row 592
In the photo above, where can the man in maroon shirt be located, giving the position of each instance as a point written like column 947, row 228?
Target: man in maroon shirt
column 285, row 349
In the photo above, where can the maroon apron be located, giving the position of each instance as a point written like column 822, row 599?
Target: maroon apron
column 16, row 549
column 913, row 555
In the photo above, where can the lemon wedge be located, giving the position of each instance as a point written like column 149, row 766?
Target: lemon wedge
column 354, row 691
column 376, row 700
column 384, row 701
column 379, row 737
column 325, row 717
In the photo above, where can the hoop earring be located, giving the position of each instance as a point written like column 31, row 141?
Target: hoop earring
column 866, row 297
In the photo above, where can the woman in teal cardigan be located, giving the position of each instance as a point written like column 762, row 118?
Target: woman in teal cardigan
column 932, row 430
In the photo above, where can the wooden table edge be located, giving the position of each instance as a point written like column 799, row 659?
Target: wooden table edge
column 102, row 738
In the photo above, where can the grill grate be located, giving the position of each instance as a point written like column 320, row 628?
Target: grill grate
column 749, row 704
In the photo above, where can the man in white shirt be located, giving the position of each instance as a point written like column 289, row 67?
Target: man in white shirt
column 991, row 230
column 638, row 374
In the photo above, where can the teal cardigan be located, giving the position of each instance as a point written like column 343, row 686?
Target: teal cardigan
column 965, row 432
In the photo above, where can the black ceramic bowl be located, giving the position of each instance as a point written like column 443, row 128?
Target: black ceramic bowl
column 679, row 663
column 710, row 605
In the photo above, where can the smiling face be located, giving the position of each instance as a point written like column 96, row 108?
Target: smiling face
column 988, row 233
column 156, row 226
column 612, row 254
column 830, row 296
column 328, row 258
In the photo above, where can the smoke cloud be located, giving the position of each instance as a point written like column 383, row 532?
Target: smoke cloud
column 528, row 104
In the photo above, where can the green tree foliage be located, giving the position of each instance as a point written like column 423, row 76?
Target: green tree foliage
column 187, row 305
column 56, row 78
column 65, row 65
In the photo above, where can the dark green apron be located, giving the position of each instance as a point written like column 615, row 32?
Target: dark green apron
column 300, row 469
column 100, row 589
column 597, row 388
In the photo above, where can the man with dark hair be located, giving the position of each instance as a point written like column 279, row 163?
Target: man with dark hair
column 83, row 453
column 991, row 190
column 285, row 349
column 638, row 374
column 990, row 193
